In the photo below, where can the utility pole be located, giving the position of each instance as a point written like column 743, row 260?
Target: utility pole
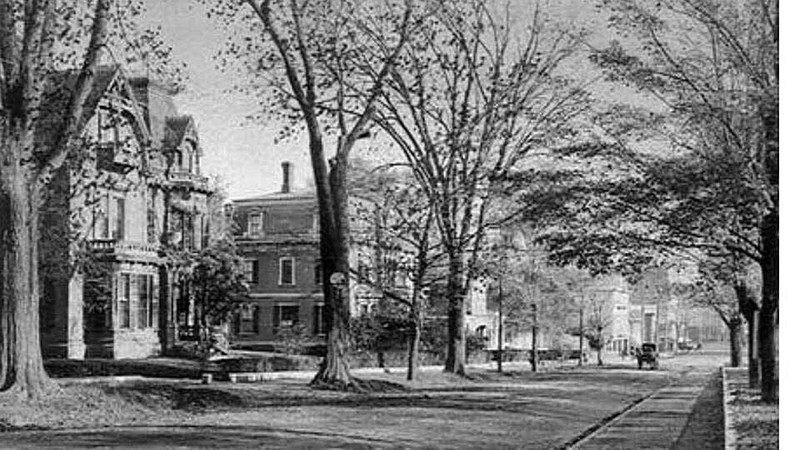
column 534, row 354
column 580, row 337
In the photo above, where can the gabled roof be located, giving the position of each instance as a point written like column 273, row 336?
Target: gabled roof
column 106, row 78
column 177, row 129
column 57, row 98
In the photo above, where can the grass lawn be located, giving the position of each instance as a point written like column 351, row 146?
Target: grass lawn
column 486, row 410
column 755, row 422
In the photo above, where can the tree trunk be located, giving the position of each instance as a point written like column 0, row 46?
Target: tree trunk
column 455, row 360
column 753, row 375
column 735, row 333
column 599, row 347
column 416, row 305
column 21, row 367
column 332, row 201
column 748, row 306
column 413, row 347
column 500, row 329
column 768, row 314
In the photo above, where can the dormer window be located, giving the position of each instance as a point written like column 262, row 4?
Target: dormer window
column 115, row 133
column 178, row 164
column 190, row 160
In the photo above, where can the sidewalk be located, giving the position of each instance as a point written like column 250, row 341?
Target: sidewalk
column 656, row 422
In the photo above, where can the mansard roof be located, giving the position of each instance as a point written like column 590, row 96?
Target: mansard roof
column 303, row 195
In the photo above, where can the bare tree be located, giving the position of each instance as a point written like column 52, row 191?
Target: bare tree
column 600, row 317
column 407, row 244
column 323, row 64
column 472, row 95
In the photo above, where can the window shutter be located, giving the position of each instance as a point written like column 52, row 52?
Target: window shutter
column 255, row 318
column 255, row 271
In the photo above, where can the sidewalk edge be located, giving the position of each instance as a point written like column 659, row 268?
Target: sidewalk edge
column 730, row 431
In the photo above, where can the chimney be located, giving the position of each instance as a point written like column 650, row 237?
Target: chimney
column 288, row 173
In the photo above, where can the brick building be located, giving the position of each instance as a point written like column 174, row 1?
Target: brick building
column 113, row 210
column 278, row 235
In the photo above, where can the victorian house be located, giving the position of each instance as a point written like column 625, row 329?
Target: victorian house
column 114, row 213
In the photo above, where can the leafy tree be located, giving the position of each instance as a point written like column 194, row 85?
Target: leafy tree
column 217, row 283
column 727, row 286
column 721, row 97
column 471, row 96
column 294, row 339
column 314, row 57
column 697, row 168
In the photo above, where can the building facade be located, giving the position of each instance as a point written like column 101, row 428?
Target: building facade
column 655, row 310
column 134, row 192
column 278, row 236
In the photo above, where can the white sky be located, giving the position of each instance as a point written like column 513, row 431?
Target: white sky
column 244, row 154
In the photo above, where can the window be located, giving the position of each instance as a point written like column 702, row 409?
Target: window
column 124, row 300
column 101, row 219
column 118, row 219
column 286, row 271
column 187, row 231
column 285, row 316
column 318, row 273
column 251, row 270
column 137, row 301
column 254, row 224
column 205, row 228
column 147, row 304
column 248, row 319
column 319, row 319
column 190, row 161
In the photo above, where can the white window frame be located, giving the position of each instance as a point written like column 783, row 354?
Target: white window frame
column 250, row 270
column 280, row 271
column 260, row 229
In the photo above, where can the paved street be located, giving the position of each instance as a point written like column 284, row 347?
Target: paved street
column 546, row 410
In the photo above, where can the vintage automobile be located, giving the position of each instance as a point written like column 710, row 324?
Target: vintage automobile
column 647, row 354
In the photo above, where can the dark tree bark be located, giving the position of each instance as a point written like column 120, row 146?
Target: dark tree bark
column 600, row 347
column 749, row 309
column 735, row 334
column 768, row 314
column 335, row 254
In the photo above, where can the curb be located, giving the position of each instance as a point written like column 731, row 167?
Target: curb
column 730, row 432
column 578, row 440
